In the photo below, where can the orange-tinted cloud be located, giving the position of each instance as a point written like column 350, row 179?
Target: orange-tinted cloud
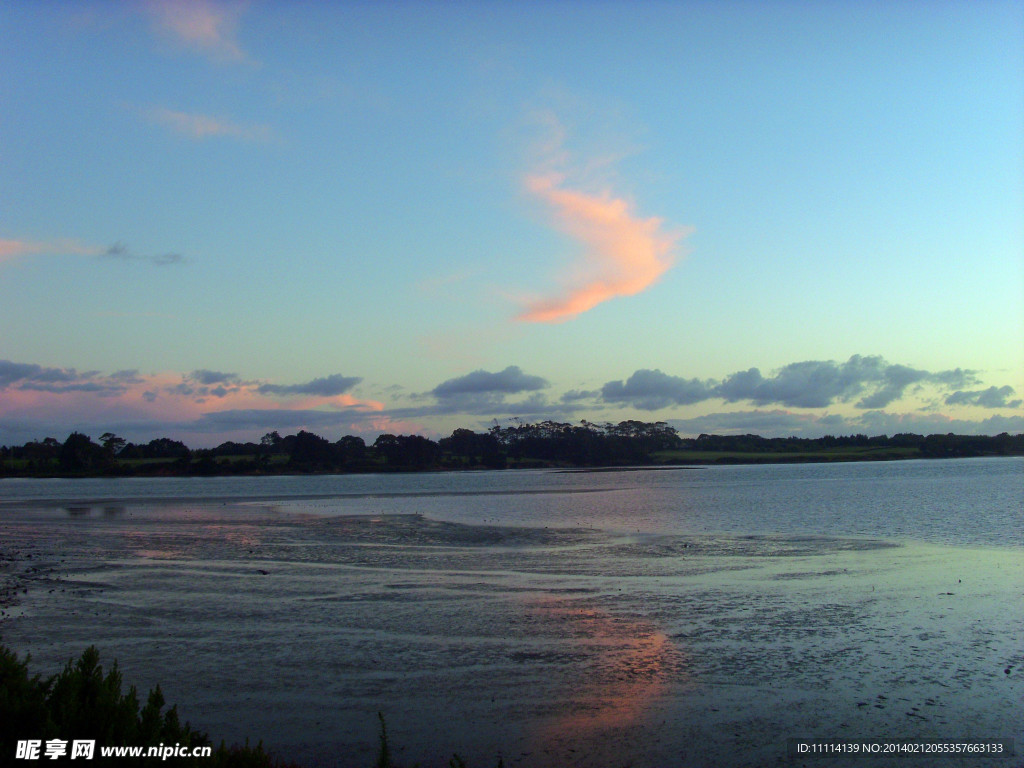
column 624, row 254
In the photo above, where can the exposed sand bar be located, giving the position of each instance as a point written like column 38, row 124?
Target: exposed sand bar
column 550, row 647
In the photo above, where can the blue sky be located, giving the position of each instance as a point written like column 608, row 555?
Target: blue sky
column 220, row 219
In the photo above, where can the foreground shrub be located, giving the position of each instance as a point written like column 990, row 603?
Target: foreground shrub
column 83, row 703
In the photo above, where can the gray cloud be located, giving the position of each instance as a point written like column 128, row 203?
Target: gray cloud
column 259, row 419
column 95, row 387
column 183, row 389
column 576, row 395
column 482, row 404
column 167, row 258
column 650, row 390
column 30, row 373
column 203, row 382
column 38, row 378
column 882, row 422
column 993, row 397
column 484, row 393
column 327, row 386
column 957, row 378
column 817, row 384
column 767, row 423
column 779, row 423
column 208, row 383
column 208, row 377
column 200, row 383
column 208, row 429
column 11, row 372
column 808, row 384
column 130, row 376
column 509, row 381
column 118, row 251
column 870, row 383
column 122, row 252
column 894, row 380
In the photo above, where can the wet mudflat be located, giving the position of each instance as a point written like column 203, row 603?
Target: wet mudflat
column 547, row 646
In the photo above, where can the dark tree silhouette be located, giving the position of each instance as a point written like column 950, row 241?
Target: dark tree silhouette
column 80, row 453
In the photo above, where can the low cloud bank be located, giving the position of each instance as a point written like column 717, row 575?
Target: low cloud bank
column 207, row 406
column 993, row 397
column 781, row 423
column 871, row 381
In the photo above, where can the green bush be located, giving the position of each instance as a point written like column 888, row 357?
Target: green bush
column 83, row 703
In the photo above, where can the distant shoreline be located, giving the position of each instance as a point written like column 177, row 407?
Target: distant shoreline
column 587, row 447
column 732, row 459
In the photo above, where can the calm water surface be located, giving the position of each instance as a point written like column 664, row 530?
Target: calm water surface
column 960, row 502
column 683, row 617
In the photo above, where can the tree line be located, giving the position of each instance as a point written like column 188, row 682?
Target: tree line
column 520, row 444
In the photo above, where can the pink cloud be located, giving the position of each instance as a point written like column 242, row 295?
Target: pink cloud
column 75, row 400
column 334, row 401
column 624, row 254
column 203, row 126
column 13, row 249
column 209, row 27
column 386, row 424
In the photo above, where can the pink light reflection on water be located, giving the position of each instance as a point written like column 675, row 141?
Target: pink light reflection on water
column 634, row 664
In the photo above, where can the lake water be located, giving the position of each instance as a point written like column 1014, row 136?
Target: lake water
column 696, row 616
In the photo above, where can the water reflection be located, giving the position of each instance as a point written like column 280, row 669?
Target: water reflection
column 240, row 535
column 197, row 540
column 632, row 664
column 85, row 510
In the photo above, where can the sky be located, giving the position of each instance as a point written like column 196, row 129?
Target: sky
column 222, row 219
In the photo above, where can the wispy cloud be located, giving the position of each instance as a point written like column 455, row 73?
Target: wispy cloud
column 624, row 253
column 327, row 386
column 11, row 250
column 14, row 249
column 201, row 25
column 201, row 127
column 122, row 252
